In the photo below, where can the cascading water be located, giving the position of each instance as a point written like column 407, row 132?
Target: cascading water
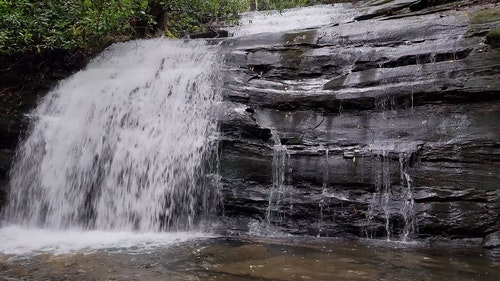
column 277, row 21
column 277, row 192
column 125, row 144
column 408, row 210
column 389, row 202
column 382, row 194
column 299, row 18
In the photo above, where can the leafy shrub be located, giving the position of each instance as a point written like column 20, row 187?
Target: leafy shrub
column 38, row 26
column 186, row 16
column 44, row 25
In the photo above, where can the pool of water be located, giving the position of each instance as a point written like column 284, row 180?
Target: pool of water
column 237, row 258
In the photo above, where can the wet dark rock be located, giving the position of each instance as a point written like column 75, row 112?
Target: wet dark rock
column 6, row 156
column 492, row 240
column 385, row 126
column 243, row 125
column 423, row 4
column 419, row 5
column 10, row 132
column 209, row 34
column 493, row 38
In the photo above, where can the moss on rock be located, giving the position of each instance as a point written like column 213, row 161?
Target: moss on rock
column 493, row 37
column 485, row 16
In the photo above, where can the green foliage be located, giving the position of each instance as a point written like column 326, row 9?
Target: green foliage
column 24, row 24
column 38, row 26
column 187, row 16
column 280, row 4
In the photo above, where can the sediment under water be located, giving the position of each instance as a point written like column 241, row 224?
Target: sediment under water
column 261, row 259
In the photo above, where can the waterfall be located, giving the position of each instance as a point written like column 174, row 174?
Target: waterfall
column 126, row 144
column 298, row 18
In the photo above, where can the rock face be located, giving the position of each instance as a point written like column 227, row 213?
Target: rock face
column 383, row 126
column 386, row 125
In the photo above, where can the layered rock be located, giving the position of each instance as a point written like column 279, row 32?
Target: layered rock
column 382, row 126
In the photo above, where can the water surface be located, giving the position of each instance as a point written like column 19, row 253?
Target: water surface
column 223, row 258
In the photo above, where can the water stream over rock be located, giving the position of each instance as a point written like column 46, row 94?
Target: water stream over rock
column 124, row 144
column 366, row 120
column 386, row 119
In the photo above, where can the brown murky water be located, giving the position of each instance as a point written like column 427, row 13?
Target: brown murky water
column 262, row 259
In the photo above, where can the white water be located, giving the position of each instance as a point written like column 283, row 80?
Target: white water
column 19, row 241
column 291, row 19
column 120, row 146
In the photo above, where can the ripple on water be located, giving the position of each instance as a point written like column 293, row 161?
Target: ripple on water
column 261, row 259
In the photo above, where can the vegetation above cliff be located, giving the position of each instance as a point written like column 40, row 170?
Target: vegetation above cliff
column 40, row 26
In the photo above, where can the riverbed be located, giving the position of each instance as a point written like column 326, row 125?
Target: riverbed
column 260, row 258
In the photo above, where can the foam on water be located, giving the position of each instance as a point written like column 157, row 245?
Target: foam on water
column 19, row 241
column 298, row 18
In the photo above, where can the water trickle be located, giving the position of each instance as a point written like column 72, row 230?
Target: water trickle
column 416, row 77
column 392, row 204
column 277, row 192
column 412, row 100
column 326, row 175
column 433, row 58
column 384, row 189
column 408, row 210
column 418, row 62
column 324, row 193
column 321, row 205
column 381, row 198
column 125, row 144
